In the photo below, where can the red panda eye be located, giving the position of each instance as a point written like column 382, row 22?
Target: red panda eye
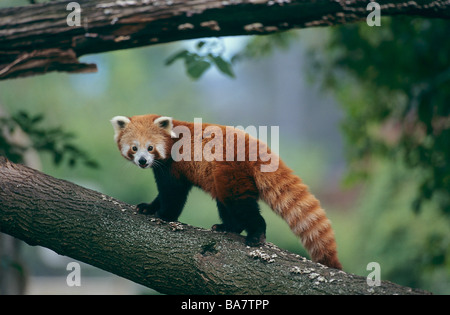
column 134, row 148
column 150, row 148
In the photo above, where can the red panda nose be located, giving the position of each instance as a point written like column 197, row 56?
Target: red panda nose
column 142, row 161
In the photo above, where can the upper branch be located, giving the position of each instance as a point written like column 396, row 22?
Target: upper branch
column 37, row 38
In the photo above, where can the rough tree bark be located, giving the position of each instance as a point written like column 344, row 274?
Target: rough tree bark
column 37, row 39
column 169, row 257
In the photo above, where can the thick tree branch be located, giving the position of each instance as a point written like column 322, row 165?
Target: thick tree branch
column 170, row 257
column 36, row 39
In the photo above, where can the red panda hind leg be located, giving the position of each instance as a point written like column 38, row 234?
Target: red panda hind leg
column 242, row 214
column 230, row 223
column 237, row 202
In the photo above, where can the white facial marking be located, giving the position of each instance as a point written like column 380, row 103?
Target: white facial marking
column 125, row 149
column 142, row 157
column 143, row 154
column 161, row 150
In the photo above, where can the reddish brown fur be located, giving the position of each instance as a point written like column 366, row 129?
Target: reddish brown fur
column 230, row 180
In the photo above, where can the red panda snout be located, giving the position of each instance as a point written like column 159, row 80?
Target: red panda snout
column 143, row 158
column 142, row 162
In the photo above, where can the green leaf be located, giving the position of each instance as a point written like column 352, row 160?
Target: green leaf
column 57, row 157
column 196, row 67
column 72, row 162
column 37, row 118
column 179, row 55
column 91, row 164
column 223, row 65
column 200, row 44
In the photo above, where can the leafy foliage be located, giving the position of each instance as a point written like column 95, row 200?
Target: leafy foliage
column 53, row 140
column 262, row 46
column 397, row 99
column 412, row 249
column 393, row 83
column 207, row 54
column 210, row 52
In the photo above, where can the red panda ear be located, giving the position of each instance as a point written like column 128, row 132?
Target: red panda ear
column 164, row 123
column 119, row 123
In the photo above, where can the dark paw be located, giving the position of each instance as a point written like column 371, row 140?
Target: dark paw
column 146, row 208
column 219, row 228
column 255, row 240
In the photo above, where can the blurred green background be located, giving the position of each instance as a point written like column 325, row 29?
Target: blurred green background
column 327, row 106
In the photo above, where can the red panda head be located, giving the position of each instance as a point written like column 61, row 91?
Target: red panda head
column 143, row 139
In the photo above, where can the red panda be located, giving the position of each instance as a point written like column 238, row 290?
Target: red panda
column 151, row 141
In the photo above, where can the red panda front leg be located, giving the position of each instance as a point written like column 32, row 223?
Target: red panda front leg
column 172, row 195
column 149, row 208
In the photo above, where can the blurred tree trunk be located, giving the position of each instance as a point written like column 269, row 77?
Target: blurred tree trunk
column 13, row 275
column 12, row 269
column 169, row 257
column 37, row 38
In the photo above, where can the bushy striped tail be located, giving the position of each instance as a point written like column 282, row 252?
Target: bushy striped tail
column 291, row 199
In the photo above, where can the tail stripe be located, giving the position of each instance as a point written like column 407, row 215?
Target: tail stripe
column 305, row 227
